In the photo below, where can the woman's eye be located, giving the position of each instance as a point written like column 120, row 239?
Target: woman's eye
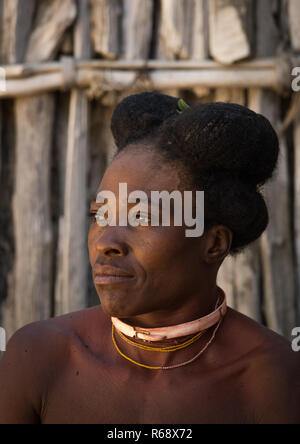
column 101, row 220
column 97, row 218
column 143, row 217
column 92, row 217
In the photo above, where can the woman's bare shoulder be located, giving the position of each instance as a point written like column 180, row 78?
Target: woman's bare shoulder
column 269, row 369
column 259, row 351
column 250, row 335
column 56, row 335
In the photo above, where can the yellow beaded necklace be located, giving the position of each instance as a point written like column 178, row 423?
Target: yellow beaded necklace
column 171, row 366
column 167, row 349
column 170, row 348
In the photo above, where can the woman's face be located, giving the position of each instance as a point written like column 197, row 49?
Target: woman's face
column 165, row 266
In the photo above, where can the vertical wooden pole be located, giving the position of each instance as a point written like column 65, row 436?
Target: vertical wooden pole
column 31, row 207
column 75, row 257
column 137, row 29
column 17, row 18
column 294, row 20
column 276, row 242
column 34, row 118
column 15, row 28
column 230, row 25
column 232, row 21
column 105, row 20
column 182, row 34
column 60, row 148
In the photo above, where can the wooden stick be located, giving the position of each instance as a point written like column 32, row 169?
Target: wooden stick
column 240, row 275
column 30, row 69
column 74, row 253
column 294, row 17
column 230, row 28
column 165, row 79
column 31, row 202
column 276, row 241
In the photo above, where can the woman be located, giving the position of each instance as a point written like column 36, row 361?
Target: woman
column 163, row 348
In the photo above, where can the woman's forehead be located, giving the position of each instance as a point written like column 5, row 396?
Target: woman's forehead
column 140, row 170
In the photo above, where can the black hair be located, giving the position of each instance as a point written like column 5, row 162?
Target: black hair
column 226, row 149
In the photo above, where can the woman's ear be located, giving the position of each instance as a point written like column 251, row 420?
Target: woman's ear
column 218, row 241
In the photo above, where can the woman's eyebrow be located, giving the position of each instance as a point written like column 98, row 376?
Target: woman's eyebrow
column 94, row 206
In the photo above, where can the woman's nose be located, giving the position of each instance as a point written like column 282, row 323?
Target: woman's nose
column 109, row 245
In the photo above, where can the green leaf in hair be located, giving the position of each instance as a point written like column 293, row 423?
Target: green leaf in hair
column 182, row 105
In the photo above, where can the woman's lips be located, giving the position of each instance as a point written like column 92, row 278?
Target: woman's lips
column 105, row 274
column 108, row 280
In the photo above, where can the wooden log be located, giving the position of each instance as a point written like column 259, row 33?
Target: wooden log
column 294, row 20
column 247, row 282
column 7, row 281
column 105, row 19
column 247, row 265
column 248, row 273
column 31, row 207
column 52, row 19
column 240, row 275
column 60, row 150
column 182, row 30
column 230, row 95
column 230, row 29
column 225, row 280
column 200, row 31
column 276, row 242
column 16, row 21
column 75, row 257
column 25, row 70
column 31, row 202
column 174, row 38
column 181, row 35
column 294, row 17
column 137, row 29
column 297, row 208
column 267, row 32
column 123, row 80
column 17, row 17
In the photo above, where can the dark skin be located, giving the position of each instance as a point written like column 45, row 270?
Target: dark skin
column 66, row 370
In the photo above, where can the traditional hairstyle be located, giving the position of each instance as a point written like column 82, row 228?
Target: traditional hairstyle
column 224, row 149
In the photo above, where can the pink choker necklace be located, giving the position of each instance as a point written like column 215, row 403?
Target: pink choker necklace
column 174, row 331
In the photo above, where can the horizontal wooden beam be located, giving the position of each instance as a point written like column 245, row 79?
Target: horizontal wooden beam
column 30, row 69
column 32, row 78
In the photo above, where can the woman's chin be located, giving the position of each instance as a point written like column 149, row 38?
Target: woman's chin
column 114, row 310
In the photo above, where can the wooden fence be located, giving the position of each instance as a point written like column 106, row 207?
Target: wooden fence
column 67, row 65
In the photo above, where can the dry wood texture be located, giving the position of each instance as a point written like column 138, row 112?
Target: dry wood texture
column 55, row 140
column 231, row 28
column 294, row 20
column 74, row 250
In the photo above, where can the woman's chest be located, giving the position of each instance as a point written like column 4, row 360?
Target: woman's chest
column 97, row 394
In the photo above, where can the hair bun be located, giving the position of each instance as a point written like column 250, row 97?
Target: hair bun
column 221, row 148
column 140, row 115
column 222, row 136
